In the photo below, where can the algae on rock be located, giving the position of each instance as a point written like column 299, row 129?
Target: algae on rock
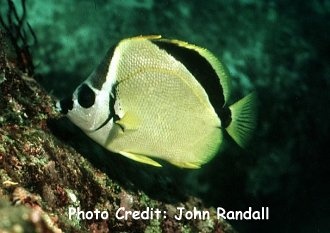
column 41, row 176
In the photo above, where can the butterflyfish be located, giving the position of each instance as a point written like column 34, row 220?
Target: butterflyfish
column 154, row 99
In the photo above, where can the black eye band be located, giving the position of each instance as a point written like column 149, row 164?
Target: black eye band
column 86, row 96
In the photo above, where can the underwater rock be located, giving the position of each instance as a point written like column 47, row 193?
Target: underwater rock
column 41, row 177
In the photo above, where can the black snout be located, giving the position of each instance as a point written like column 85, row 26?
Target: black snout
column 66, row 105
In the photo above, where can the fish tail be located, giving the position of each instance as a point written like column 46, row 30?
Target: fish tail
column 243, row 119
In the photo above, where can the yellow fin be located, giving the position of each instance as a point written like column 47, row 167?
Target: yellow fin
column 243, row 114
column 129, row 122
column 186, row 165
column 140, row 158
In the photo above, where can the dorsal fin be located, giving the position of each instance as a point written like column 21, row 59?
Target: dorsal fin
column 205, row 67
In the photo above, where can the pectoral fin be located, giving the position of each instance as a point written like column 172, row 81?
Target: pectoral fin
column 129, row 122
column 140, row 158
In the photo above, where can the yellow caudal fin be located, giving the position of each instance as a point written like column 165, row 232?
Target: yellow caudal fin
column 243, row 115
column 140, row 158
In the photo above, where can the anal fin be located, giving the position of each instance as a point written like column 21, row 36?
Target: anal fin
column 140, row 158
column 186, row 165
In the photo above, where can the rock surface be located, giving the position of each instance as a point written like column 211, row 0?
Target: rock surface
column 41, row 176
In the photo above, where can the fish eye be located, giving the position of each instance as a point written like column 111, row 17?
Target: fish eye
column 86, row 96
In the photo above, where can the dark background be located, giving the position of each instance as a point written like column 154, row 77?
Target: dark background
column 278, row 48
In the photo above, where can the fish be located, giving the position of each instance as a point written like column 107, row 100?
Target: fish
column 154, row 99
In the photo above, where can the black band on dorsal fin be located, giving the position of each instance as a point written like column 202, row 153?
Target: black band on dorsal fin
column 100, row 74
column 200, row 68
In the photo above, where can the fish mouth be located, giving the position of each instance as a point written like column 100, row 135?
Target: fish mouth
column 63, row 106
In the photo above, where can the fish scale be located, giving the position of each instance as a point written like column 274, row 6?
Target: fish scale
column 161, row 100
